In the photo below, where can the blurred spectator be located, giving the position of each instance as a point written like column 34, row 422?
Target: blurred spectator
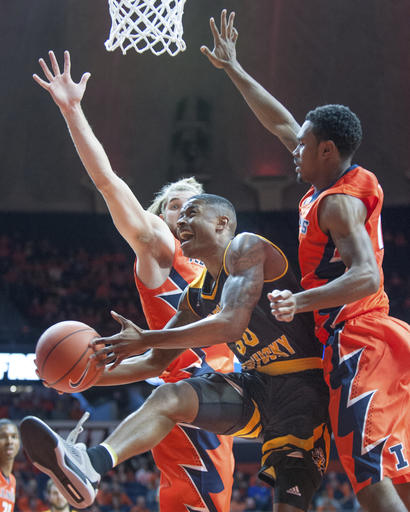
column 55, row 499
column 237, row 503
column 29, row 500
column 326, row 501
column 348, row 501
column 250, row 505
column 260, row 493
column 140, row 505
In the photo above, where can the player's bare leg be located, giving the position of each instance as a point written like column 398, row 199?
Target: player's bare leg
column 381, row 497
column 140, row 431
column 404, row 493
column 77, row 471
column 283, row 507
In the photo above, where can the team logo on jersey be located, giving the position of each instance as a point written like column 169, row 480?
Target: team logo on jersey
column 294, row 490
column 319, row 459
column 196, row 262
column 398, row 452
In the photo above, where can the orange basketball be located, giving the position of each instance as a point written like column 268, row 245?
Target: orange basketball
column 62, row 357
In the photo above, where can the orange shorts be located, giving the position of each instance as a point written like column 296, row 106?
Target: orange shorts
column 196, row 470
column 367, row 369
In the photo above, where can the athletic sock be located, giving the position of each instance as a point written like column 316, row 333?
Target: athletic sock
column 102, row 457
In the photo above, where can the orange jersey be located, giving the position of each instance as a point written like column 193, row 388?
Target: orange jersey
column 319, row 259
column 7, row 493
column 160, row 305
column 196, row 466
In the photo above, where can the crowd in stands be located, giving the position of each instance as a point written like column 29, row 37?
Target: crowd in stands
column 46, row 282
column 133, row 487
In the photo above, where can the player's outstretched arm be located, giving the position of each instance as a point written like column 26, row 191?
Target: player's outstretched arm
column 343, row 218
column 141, row 229
column 248, row 259
column 138, row 368
column 270, row 112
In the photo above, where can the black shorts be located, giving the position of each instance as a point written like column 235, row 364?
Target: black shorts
column 289, row 413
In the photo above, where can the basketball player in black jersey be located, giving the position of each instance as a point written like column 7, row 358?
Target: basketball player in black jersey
column 280, row 396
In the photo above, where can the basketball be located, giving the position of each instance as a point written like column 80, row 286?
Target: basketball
column 62, row 357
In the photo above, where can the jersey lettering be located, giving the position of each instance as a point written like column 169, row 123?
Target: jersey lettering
column 278, row 348
column 303, row 226
column 397, row 449
column 248, row 338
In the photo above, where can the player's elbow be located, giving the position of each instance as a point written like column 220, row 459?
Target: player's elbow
column 374, row 282
column 233, row 328
column 371, row 276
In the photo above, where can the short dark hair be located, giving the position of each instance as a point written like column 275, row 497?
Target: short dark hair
column 338, row 124
column 219, row 202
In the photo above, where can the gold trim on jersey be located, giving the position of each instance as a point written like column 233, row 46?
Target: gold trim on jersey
column 270, row 471
column 273, row 245
column 290, row 441
column 282, row 367
column 197, row 283
column 253, row 428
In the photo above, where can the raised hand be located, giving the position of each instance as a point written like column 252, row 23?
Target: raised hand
column 63, row 90
column 128, row 342
column 224, row 52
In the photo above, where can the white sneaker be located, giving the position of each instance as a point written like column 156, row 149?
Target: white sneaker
column 66, row 463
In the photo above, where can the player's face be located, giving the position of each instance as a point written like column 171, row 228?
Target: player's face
column 306, row 154
column 173, row 207
column 9, row 442
column 196, row 228
column 56, row 499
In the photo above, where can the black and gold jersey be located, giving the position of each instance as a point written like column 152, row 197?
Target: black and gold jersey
column 269, row 346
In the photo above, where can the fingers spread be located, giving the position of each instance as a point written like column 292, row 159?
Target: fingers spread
column 54, row 63
column 67, row 62
column 44, row 67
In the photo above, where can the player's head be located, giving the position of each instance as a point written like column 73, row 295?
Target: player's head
column 205, row 221
column 9, row 441
column 54, row 497
column 169, row 200
column 328, row 140
column 338, row 124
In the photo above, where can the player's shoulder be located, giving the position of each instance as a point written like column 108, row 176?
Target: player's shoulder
column 252, row 241
column 250, row 249
column 246, row 241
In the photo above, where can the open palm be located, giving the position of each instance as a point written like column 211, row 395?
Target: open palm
column 63, row 90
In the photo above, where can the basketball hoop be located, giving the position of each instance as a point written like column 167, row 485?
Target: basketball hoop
column 154, row 25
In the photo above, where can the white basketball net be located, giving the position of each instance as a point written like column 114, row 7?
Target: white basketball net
column 146, row 25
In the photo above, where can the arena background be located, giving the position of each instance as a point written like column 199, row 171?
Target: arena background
column 160, row 118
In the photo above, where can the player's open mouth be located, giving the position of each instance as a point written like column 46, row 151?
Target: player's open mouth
column 185, row 236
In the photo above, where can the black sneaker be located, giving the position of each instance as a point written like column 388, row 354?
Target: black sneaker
column 66, row 463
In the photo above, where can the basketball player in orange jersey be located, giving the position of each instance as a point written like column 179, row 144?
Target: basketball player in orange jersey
column 161, row 274
column 9, row 447
column 367, row 353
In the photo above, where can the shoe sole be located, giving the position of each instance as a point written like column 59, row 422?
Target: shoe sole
column 42, row 447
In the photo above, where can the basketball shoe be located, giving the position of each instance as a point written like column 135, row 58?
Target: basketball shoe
column 65, row 461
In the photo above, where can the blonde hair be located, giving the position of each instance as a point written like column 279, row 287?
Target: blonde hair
column 183, row 185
